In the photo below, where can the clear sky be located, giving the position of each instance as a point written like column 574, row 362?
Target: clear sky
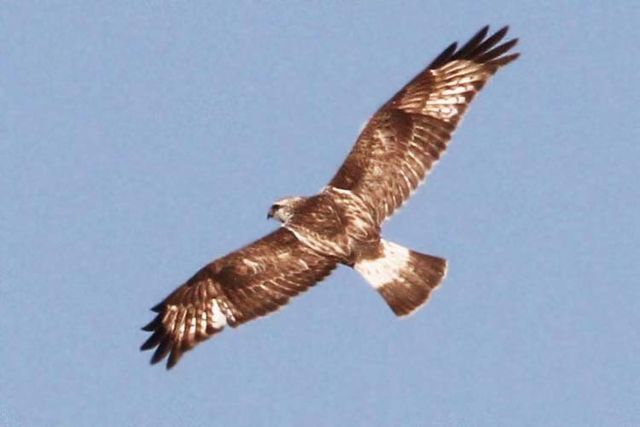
column 141, row 140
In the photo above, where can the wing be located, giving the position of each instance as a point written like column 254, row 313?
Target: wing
column 408, row 134
column 248, row 283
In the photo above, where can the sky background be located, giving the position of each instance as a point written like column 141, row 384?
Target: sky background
column 141, row 140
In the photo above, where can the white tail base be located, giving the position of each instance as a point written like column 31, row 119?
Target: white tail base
column 386, row 269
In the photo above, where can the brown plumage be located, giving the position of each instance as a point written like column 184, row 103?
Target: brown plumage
column 248, row 283
column 341, row 224
column 409, row 133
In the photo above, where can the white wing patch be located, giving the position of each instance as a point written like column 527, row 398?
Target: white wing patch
column 218, row 319
column 386, row 269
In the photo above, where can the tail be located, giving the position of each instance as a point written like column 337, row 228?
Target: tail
column 404, row 278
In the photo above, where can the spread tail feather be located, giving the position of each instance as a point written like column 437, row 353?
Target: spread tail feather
column 404, row 278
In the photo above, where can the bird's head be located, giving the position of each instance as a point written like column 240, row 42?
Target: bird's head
column 283, row 209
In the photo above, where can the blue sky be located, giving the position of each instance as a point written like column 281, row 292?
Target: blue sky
column 141, row 140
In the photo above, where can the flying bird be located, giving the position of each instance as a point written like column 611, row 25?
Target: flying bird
column 341, row 225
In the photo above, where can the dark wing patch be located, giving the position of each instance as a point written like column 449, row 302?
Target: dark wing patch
column 248, row 283
column 409, row 133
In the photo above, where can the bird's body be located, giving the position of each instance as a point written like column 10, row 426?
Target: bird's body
column 334, row 223
column 342, row 223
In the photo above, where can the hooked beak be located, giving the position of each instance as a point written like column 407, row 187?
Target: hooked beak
column 270, row 213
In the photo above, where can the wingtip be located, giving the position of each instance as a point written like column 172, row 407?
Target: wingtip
column 145, row 347
column 148, row 344
column 153, row 340
column 479, row 45
column 450, row 49
column 152, row 326
column 501, row 32
column 480, row 35
column 158, row 355
column 174, row 357
column 507, row 59
column 444, row 56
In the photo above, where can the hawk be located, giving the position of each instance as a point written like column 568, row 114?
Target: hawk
column 341, row 225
